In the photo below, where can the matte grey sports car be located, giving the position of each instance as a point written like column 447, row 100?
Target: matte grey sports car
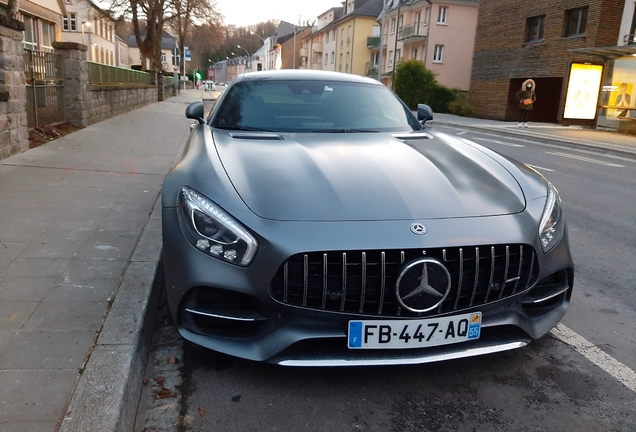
column 313, row 220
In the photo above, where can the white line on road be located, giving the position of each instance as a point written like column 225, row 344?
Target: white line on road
column 541, row 168
column 597, row 356
column 584, row 159
column 461, row 133
column 498, row 142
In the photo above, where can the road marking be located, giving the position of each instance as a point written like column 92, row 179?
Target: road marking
column 499, row 142
column 597, row 356
column 584, row 159
column 461, row 133
column 541, row 168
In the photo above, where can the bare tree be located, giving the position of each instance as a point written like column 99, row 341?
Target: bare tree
column 187, row 14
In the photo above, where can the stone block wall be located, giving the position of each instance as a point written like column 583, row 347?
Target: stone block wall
column 106, row 101
column 14, row 136
column 502, row 53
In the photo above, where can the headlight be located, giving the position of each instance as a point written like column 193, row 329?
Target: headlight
column 210, row 229
column 552, row 225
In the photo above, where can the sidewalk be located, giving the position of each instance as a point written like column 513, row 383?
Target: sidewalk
column 611, row 143
column 80, row 239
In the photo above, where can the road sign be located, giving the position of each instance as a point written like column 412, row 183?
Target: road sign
column 188, row 55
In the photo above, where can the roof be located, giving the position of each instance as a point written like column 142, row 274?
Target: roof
column 305, row 74
column 608, row 52
column 168, row 42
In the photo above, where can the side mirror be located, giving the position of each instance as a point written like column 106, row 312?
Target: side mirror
column 424, row 113
column 195, row 111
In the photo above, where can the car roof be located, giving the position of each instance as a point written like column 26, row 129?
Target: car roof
column 304, row 74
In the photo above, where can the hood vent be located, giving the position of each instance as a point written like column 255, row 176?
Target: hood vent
column 262, row 136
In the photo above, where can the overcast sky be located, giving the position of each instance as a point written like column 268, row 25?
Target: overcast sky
column 246, row 12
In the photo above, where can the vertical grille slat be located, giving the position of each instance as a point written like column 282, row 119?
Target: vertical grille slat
column 476, row 284
column 344, row 281
column 492, row 272
column 382, row 280
column 324, row 280
column 363, row 290
column 363, row 282
column 305, row 279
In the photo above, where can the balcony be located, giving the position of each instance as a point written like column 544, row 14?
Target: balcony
column 372, row 72
column 413, row 33
column 316, row 47
column 304, row 52
column 373, row 42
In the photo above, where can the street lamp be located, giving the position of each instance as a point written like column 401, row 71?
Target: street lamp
column 249, row 57
column 256, row 34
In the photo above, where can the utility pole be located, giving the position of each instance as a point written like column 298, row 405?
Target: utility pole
column 397, row 34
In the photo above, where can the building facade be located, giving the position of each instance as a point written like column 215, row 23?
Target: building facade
column 352, row 29
column 85, row 23
column 170, row 60
column 550, row 42
column 42, row 22
column 319, row 47
column 439, row 34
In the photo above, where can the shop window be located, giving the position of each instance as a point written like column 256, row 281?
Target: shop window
column 438, row 54
column 442, row 15
column 575, row 22
column 534, row 28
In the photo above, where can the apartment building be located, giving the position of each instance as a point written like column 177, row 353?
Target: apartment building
column 86, row 23
column 319, row 47
column 439, row 34
column 169, row 52
column 351, row 32
column 42, row 22
column 560, row 45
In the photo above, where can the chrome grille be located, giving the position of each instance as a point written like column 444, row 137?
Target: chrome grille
column 363, row 282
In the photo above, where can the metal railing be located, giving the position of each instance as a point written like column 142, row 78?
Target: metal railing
column 413, row 30
column 44, row 75
column 101, row 74
column 373, row 42
column 629, row 39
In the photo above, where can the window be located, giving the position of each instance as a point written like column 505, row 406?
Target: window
column 325, row 58
column 575, row 21
column 438, row 54
column 427, row 14
column 392, row 28
column 398, row 56
column 400, row 22
column 349, row 36
column 415, row 54
column 333, row 57
column 340, row 64
column 48, row 36
column 442, row 15
column 341, row 36
column 327, row 37
column 65, row 23
column 163, row 57
column 535, row 28
column 73, row 22
column 390, row 58
column 30, row 33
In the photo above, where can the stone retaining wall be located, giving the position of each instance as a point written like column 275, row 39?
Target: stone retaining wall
column 110, row 101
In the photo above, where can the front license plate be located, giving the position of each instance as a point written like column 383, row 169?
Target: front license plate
column 395, row 334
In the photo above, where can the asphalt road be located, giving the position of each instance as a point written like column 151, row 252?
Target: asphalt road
column 546, row 386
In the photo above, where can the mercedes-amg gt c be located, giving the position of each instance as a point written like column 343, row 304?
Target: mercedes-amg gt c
column 314, row 220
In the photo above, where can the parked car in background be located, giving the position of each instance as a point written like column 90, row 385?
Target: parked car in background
column 314, row 221
column 209, row 86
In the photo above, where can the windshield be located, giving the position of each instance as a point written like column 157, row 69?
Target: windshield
column 312, row 106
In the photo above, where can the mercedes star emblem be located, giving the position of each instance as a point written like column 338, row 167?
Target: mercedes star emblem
column 418, row 228
column 423, row 285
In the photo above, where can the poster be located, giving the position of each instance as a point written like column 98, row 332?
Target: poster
column 582, row 95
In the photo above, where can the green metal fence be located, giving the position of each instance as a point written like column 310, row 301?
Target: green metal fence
column 101, row 74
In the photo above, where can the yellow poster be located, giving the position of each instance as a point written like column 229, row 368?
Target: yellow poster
column 582, row 95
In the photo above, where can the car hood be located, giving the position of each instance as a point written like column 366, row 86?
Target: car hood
column 365, row 176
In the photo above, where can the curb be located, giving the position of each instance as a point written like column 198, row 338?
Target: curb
column 606, row 148
column 107, row 393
